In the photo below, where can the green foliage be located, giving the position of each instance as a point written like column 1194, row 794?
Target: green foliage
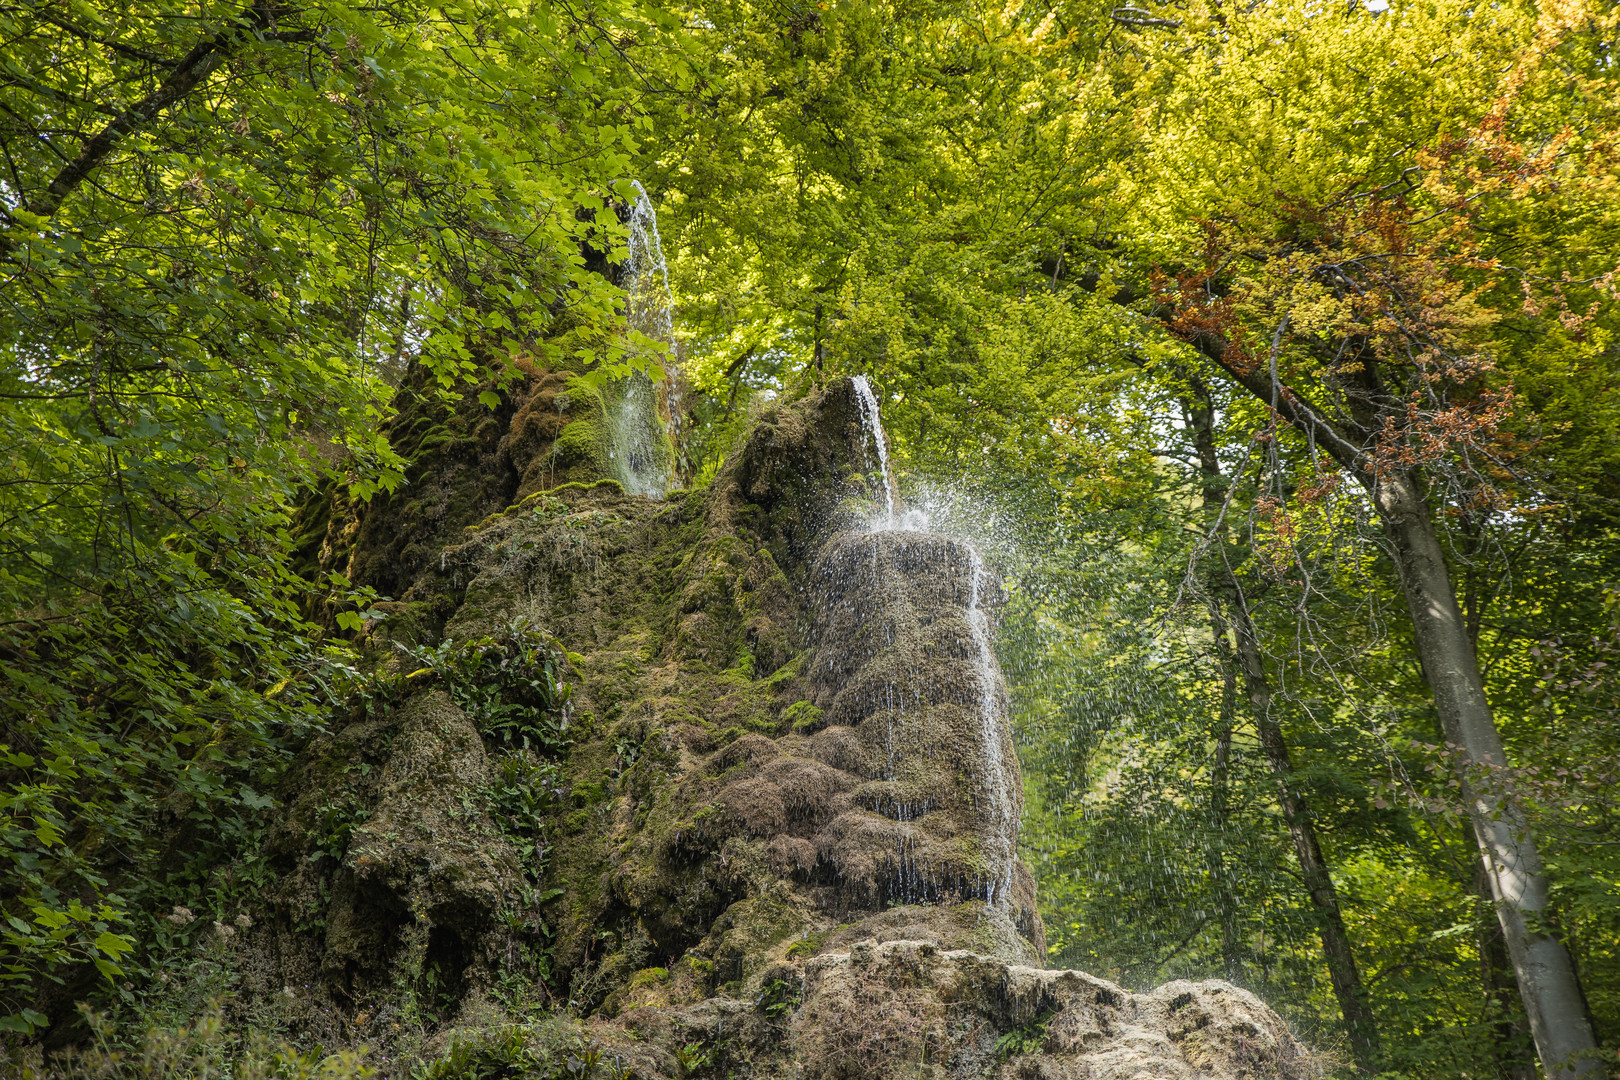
column 1026, row 1039
column 201, row 1050
column 523, row 792
column 162, row 709
column 515, row 1053
column 228, row 232
column 510, row 687
column 993, row 213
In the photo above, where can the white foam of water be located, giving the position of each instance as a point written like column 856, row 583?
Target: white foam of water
column 873, row 424
column 638, row 443
column 646, row 274
column 990, row 724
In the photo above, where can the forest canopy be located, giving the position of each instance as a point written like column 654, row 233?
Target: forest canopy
column 1274, row 349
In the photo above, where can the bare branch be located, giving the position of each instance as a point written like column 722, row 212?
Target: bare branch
column 1131, row 16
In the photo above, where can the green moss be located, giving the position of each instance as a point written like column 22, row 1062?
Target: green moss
column 653, row 976
column 605, row 482
column 579, row 443
column 804, row 717
column 590, row 792
column 809, row 945
column 582, row 394
column 762, row 724
column 744, row 668
column 790, row 670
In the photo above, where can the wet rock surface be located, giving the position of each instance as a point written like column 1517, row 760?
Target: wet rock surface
column 782, row 827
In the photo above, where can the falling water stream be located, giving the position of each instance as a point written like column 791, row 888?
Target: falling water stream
column 646, row 274
column 873, row 424
column 639, row 441
column 998, row 798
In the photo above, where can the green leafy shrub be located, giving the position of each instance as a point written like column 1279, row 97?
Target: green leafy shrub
column 201, row 1050
column 139, row 736
column 511, row 686
column 514, row 1053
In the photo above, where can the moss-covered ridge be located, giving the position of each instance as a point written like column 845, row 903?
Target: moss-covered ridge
column 767, row 759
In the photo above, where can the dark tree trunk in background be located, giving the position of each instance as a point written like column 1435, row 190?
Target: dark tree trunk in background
column 1242, row 649
column 1220, row 802
column 1341, row 959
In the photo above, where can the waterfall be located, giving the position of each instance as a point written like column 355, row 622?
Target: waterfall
column 873, row 423
column 991, row 721
column 646, row 274
column 905, row 656
column 640, row 445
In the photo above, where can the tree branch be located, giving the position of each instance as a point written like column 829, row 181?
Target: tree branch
column 1291, row 407
column 185, row 76
column 107, row 43
column 1131, row 16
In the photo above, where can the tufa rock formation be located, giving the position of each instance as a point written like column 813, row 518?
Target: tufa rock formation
column 769, row 827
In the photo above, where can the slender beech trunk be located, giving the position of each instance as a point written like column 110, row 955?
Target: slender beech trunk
column 1496, row 981
column 1219, row 800
column 1341, row 958
column 1547, row 981
column 1244, row 650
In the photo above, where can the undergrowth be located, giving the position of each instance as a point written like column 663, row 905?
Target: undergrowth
column 157, row 958
column 201, row 1050
column 515, row 1053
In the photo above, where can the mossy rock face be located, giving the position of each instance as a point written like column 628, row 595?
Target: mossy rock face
column 787, row 814
column 467, row 461
column 395, row 879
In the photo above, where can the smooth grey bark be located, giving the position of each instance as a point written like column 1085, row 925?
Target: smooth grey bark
column 1552, row 996
column 1496, row 983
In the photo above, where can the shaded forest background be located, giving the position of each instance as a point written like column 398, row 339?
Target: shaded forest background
column 1120, row 276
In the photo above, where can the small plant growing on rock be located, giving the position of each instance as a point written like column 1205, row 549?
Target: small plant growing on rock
column 778, row 998
column 693, row 1058
column 1025, row 1039
column 510, row 686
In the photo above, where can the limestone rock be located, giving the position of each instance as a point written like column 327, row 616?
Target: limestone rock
column 781, row 837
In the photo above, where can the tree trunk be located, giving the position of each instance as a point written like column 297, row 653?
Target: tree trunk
column 1509, row 1040
column 1341, row 958
column 1546, row 974
column 1219, row 800
column 1346, row 977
